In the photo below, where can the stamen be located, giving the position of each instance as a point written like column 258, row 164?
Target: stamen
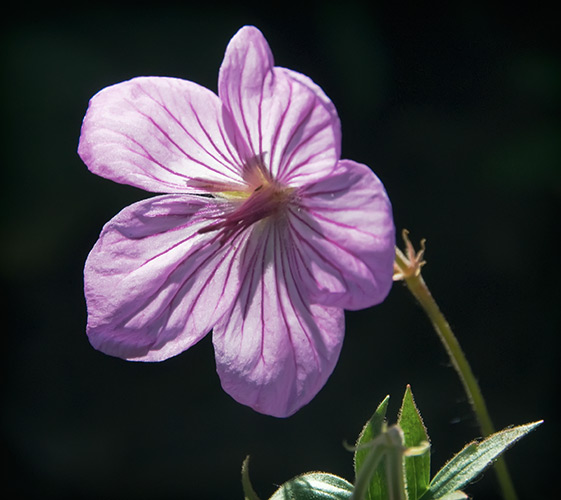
column 260, row 198
column 266, row 200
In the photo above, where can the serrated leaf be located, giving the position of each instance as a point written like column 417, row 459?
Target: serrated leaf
column 472, row 460
column 417, row 468
column 314, row 486
column 372, row 429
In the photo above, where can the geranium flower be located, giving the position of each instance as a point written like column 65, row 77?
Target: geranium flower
column 264, row 237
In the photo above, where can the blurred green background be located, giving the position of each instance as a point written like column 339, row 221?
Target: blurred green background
column 457, row 111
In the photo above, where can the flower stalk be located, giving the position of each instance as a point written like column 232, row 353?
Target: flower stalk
column 407, row 267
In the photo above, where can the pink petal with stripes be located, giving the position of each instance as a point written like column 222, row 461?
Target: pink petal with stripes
column 286, row 119
column 342, row 238
column 163, row 135
column 154, row 286
column 274, row 351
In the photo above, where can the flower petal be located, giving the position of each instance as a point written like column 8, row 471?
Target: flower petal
column 287, row 120
column 162, row 135
column 343, row 238
column 154, row 286
column 309, row 132
column 247, row 63
column 274, row 352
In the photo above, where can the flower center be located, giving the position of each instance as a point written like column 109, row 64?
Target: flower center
column 263, row 198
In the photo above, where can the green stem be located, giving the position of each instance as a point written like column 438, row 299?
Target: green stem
column 389, row 445
column 367, row 471
column 417, row 286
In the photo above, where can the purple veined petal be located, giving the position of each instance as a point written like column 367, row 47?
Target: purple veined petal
column 310, row 132
column 154, row 285
column 343, row 239
column 274, row 352
column 247, row 62
column 162, row 135
column 287, row 120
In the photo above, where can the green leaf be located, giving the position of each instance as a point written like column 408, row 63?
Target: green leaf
column 473, row 459
column 248, row 491
column 314, row 486
column 454, row 495
column 417, row 467
column 371, row 430
column 378, row 488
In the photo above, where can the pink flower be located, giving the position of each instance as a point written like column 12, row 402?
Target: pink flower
column 264, row 237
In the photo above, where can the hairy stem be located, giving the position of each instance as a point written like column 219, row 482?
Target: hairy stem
column 408, row 269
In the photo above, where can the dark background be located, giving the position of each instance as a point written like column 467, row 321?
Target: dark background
column 455, row 108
